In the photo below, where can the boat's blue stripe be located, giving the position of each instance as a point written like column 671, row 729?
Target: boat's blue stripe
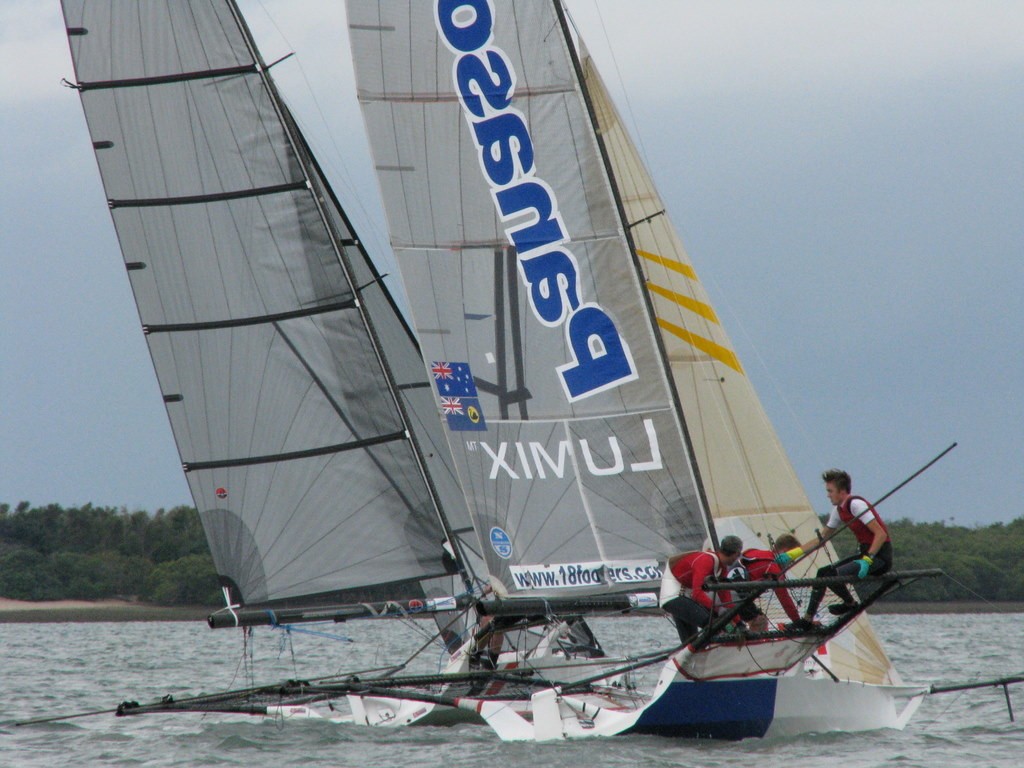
column 724, row 709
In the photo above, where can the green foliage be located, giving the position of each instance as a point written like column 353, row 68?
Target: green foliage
column 89, row 553
column 189, row 580
column 981, row 563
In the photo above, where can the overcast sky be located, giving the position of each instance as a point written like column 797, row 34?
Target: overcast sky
column 848, row 179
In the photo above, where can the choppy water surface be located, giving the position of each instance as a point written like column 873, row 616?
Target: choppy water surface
column 50, row 669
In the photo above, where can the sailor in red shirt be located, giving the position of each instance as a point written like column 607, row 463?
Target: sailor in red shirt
column 872, row 537
column 761, row 566
column 682, row 586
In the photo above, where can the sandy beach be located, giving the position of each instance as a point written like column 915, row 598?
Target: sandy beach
column 98, row 610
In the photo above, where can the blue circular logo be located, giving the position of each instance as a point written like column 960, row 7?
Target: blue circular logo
column 501, row 543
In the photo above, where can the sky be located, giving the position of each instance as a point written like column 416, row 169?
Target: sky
column 848, row 179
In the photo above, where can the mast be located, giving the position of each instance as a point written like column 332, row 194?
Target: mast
column 627, row 233
column 303, row 155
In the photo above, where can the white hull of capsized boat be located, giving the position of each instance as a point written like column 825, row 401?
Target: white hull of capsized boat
column 737, row 708
column 721, row 709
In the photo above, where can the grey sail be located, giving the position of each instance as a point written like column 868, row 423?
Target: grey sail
column 294, row 391
column 525, row 294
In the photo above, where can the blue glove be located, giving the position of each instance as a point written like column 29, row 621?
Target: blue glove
column 864, row 565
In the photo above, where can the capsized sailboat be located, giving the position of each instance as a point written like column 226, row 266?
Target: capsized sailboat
column 567, row 415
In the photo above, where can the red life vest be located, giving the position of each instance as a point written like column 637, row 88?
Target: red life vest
column 860, row 530
column 692, row 570
column 760, row 564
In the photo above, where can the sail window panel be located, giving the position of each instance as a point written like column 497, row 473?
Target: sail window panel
column 201, row 137
column 231, row 259
column 272, row 389
column 321, row 524
column 129, row 39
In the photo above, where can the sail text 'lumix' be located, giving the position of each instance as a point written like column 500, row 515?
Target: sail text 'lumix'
column 518, row 460
column 485, row 82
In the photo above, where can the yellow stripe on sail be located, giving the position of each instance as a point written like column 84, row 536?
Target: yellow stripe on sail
column 677, row 266
column 708, row 347
column 702, row 309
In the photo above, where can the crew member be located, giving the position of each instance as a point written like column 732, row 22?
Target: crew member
column 761, row 566
column 682, row 586
column 875, row 547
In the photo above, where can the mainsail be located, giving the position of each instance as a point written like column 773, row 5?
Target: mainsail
column 295, row 392
column 524, row 292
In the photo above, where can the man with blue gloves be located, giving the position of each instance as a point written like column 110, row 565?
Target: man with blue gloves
column 875, row 555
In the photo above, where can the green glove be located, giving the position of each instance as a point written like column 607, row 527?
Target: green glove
column 864, row 565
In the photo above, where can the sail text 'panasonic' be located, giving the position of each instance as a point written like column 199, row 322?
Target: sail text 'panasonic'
column 485, row 82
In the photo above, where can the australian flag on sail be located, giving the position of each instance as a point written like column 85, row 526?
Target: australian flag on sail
column 460, row 403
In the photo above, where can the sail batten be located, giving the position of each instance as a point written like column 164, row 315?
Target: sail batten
column 434, row 97
column 213, row 197
column 182, row 77
column 306, row 454
column 257, row 320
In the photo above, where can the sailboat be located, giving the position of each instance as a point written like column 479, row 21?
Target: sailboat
column 565, row 413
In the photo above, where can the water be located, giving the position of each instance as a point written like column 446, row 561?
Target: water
column 50, row 669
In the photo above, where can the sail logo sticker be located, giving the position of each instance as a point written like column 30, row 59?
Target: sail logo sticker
column 563, row 575
column 485, row 82
column 526, row 461
column 501, row 543
column 460, row 403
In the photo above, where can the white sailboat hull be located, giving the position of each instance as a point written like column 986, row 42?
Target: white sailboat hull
column 733, row 709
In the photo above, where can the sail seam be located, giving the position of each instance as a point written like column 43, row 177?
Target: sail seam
column 243, row 321
column 210, row 198
column 292, row 455
column 433, row 97
column 181, row 77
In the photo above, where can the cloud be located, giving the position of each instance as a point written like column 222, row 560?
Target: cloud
column 33, row 52
column 794, row 45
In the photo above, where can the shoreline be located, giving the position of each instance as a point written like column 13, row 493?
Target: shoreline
column 77, row 611
column 61, row 611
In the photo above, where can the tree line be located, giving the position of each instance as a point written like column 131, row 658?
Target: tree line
column 90, row 553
